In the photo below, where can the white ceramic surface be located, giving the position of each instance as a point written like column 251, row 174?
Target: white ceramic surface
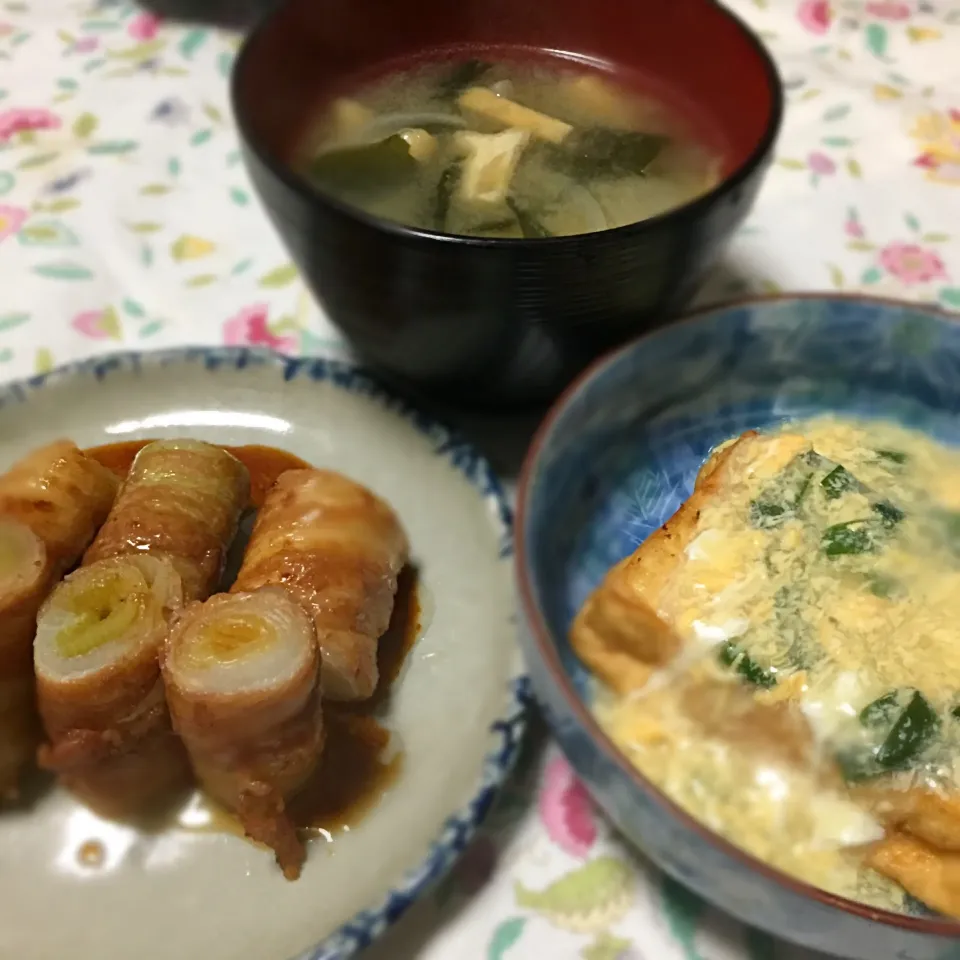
column 211, row 896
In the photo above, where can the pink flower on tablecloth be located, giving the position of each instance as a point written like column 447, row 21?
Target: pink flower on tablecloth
column 14, row 120
column 250, row 328
column 11, row 219
column 853, row 228
column 86, row 45
column 566, row 809
column 6, row 29
column 98, row 324
column 911, row 263
column 144, row 26
column 889, row 10
column 821, row 164
column 815, row 15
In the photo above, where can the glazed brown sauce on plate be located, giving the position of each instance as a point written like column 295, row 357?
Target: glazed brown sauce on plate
column 355, row 767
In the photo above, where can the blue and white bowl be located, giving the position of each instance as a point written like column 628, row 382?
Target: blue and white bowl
column 613, row 460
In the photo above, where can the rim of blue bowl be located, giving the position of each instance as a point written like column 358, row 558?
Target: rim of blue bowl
column 541, row 633
column 301, row 186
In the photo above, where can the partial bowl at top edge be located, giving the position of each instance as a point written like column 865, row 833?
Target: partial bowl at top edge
column 713, row 376
column 496, row 322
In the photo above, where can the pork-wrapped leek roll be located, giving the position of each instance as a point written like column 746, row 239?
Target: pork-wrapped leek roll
column 24, row 578
column 51, row 504
column 181, row 499
column 338, row 549
column 104, row 708
column 98, row 683
column 62, row 495
column 242, row 677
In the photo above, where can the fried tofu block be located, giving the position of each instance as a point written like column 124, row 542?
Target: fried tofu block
column 926, row 815
column 619, row 632
column 929, row 875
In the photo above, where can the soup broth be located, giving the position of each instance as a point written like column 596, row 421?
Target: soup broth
column 510, row 150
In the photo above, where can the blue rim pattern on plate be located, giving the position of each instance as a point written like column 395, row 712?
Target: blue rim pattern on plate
column 507, row 731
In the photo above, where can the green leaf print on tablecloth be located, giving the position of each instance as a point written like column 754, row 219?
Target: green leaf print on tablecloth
column 43, row 361
column 113, row 147
column 63, row 270
column 606, row 947
column 37, row 160
column 10, row 320
column 683, row 910
column 876, row 38
column 188, row 247
column 145, row 226
column 192, row 41
column 57, row 206
column 85, row 125
column 279, row 277
column 586, row 900
column 951, row 296
column 151, row 328
column 505, row 936
column 47, row 233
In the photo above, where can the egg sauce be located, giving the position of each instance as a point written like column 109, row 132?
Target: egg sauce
column 826, row 579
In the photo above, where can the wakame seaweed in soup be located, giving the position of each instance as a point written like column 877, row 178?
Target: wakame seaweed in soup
column 511, row 150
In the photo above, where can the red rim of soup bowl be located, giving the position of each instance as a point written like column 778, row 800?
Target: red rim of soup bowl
column 541, row 633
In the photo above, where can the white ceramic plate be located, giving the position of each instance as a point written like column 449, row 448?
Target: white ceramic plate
column 456, row 708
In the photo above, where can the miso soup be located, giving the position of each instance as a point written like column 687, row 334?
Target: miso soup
column 506, row 149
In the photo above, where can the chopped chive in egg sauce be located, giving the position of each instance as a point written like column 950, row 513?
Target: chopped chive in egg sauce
column 824, row 586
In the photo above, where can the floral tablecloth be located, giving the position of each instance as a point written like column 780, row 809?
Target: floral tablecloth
column 127, row 221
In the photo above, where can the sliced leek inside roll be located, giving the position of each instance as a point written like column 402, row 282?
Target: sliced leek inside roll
column 105, row 613
column 230, row 640
column 239, row 644
column 99, row 688
column 242, row 675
